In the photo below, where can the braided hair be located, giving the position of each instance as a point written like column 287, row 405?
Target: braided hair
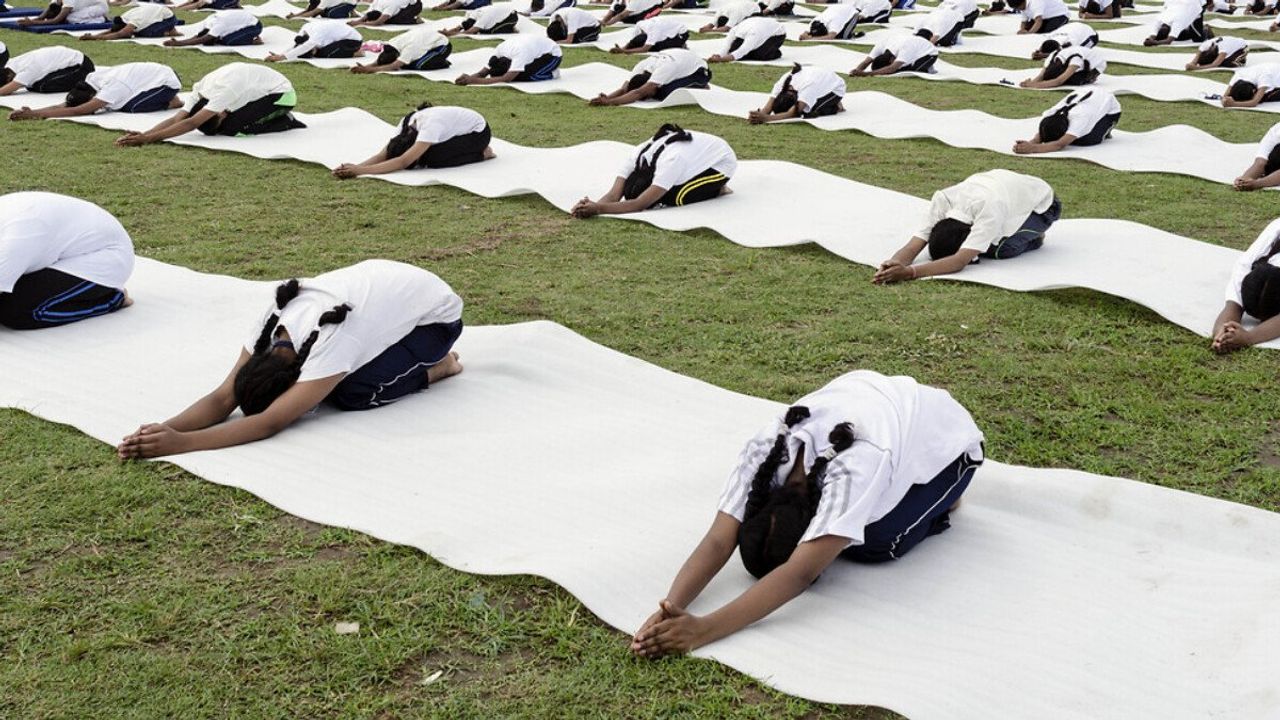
column 641, row 176
column 1260, row 289
column 406, row 136
column 266, row 376
column 776, row 518
column 787, row 96
column 1053, row 127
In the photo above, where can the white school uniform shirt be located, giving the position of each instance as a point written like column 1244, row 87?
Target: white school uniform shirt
column 35, row 65
column 320, row 33
column 417, row 42
column 1044, row 9
column 669, row 65
column 86, row 11
column 550, row 7
column 1179, row 16
column 964, row 7
column 1228, row 46
column 225, row 22
column 660, row 28
column 387, row 299
column 119, row 84
column 941, row 21
column 1221, row 6
column 1077, row 57
column 489, row 16
column 1075, row 34
column 641, row 7
column 437, row 124
column 871, row 8
column 329, row 4
column 3, row 47
column 1092, row 106
column 388, row 8
column 811, row 84
column 524, row 49
column 906, row 48
column 146, row 15
column 235, row 85
column 836, row 17
column 1102, row 4
column 995, row 203
column 1269, row 142
column 905, row 434
column 735, row 13
column 771, row 5
column 41, row 230
column 1264, row 75
column 1257, row 250
column 753, row 32
column 681, row 162
column 575, row 19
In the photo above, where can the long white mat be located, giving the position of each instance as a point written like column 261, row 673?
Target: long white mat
column 1055, row 594
column 1182, row 279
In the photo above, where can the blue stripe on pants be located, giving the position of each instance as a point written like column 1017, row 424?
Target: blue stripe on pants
column 398, row 371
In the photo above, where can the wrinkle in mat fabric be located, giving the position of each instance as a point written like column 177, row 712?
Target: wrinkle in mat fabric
column 1056, row 594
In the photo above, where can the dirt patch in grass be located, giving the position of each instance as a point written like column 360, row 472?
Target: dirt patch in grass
column 1269, row 451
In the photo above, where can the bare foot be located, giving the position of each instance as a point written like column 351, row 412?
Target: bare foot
column 127, row 300
column 443, row 369
column 489, row 154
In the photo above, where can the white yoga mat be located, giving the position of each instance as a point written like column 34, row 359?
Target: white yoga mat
column 1182, row 279
column 1055, row 594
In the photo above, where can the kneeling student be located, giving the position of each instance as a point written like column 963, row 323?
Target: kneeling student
column 728, row 16
column 570, row 26
column 460, row 5
column 500, row 19
column 53, row 69
column 1072, row 66
column 523, row 58
column 208, row 5
column 1070, row 35
column 356, row 338
column 547, row 8
column 631, row 12
column 235, row 99
column 776, row 8
column 659, row 75
column 148, row 20
column 1082, row 118
column 390, row 12
column 1265, row 170
column 756, row 38
column 875, row 11
column 677, row 167
column 418, row 49
column 323, row 39
column 1178, row 22
column 429, row 137
column 655, row 35
column 328, row 9
column 1099, row 9
column 942, row 27
column 1261, row 7
column 1254, row 290
column 61, row 260
column 131, row 88
column 805, row 92
column 231, row 28
column 1250, row 86
column 863, row 470
column 69, row 12
column 836, row 22
column 1220, row 52
column 994, row 214
column 900, row 53
column 1041, row 17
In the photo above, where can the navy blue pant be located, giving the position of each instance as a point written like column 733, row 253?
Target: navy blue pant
column 400, row 370
column 150, row 100
column 699, row 78
column 243, row 36
column 435, row 59
column 1028, row 237
column 923, row 511
column 48, row 298
column 157, row 29
column 1100, row 132
column 339, row 12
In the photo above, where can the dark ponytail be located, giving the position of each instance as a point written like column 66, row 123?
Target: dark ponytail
column 641, row 176
column 787, row 96
column 762, row 482
column 1260, row 289
column 406, row 136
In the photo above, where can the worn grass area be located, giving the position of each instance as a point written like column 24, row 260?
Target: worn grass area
column 139, row 590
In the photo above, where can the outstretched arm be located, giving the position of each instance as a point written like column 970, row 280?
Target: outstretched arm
column 1035, row 146
column 1033, row 28
column 889, row 69
column 1229, row 334
column 899, row 268
column 623, row 96
column 380, row 165
column 1040, row 83
column 484, row 78
column 178, row 124
column 58, row 111
column 123, row 33
column 612, row 201
column 1228, row 101
column 58, row 19
column 767, row 115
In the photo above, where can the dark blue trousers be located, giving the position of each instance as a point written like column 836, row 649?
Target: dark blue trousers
column 151, row 100
column 1028, row 237
column 400, row 370
column 48, row 298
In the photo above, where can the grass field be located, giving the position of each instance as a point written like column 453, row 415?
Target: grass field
column 138, row 590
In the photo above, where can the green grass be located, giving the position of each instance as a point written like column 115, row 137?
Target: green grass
column 141, row 591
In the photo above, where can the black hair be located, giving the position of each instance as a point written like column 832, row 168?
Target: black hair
column 1257, row 5
column 1242, row 90
column 388, row 55
column 776, row 518
column 1017, row 4
column 1163, row 32
column 537, row 5
column 467, row 23
column 1273, row 161
column 499, row 65
column 637, row 81
column 266, row 376
column 637, row 40
column 82, row 93
column 7, row 75
column 641, row 176
column 406, row 136
column 300, row 38
column 1055, row 67
column 118, row 23
column 313, row 4
column 946, row 237
column 817, row 27
column 1260, row 289
column 1207, row 56
column 721, row 20
column 787, row 96
column 883, row 60
column 1050, row 46
column 1055, row 126
column 557, row 29
column 924, row 33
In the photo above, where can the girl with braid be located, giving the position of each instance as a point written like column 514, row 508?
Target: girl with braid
column 863, row 469
column 1254, row 290
column 357, row 338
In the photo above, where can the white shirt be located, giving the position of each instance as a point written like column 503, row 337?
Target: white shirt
column 235, row 85
column 524, row 49
column 669, row 65
column 146, row 15
column 735, row 13
column 941, row 21
column 836, row 17
column 1269, row 142
column 388, row 300
column 490, row 16
column 575, row 19
column 641, row 7
column 417, row 42
column 1076, row 34
column 437, row 124
column 549, row 7
column 1044, row 9
column 660, row 28
column 811, row 84
column 1085, row 114
column 34, row 65
column 1179, row 16
column 1102, row 4
column 871, row 8
column 119, row 84
column 995, row 203
column 905, row 434
column 964, row 7
column 320, row 33
column 328, row 4
column 753, row 32
column 906, row 49
column 86, row 11
column 772, row 5
column 1225, row 45
column 1257, row 250
column 225, row 22
column 1078, row 56
column 41, row 230
column 388, row 8
column 681, row 162
column 1264, row 75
